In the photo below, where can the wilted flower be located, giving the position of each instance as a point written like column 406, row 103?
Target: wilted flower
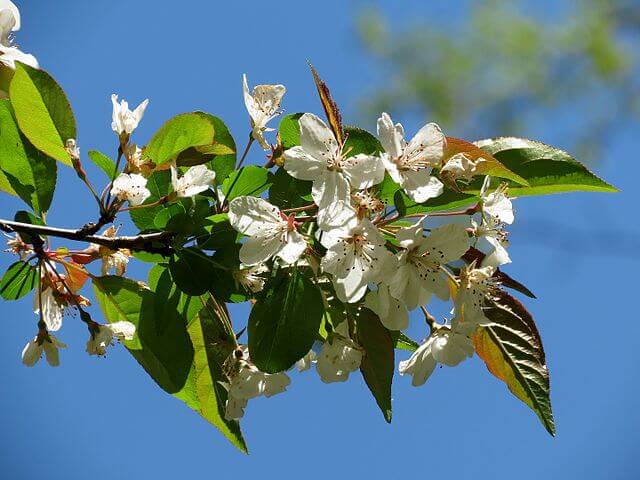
column 339, row 356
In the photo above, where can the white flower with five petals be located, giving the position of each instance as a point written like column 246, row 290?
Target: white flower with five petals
column 131, row 187
column 263, row 104
column 356, row 256
column 321, row 159
column 270, row 232
column 419, row 263
column 195, row 180
column 410, row 164
column 125, row 121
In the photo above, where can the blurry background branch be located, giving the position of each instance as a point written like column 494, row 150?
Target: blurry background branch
column 512, row 67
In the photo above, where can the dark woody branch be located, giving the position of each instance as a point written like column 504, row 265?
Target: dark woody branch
column 158, row 242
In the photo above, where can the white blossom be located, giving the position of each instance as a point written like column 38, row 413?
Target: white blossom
column 307, row 361
column 391, row 311
column 249, row 277
column 410, row 164
column 321, row 159
column 10, row 55
column 460, row 167
column 105, row 334
column 9, row 21
column 52, row 308
column 195, row 180
column 493, row 233
column 420, row 365
column 496, row 204
column 476, row 287
column 263, row 104
column 419, row 263
column 47, row 344
column 124, row 120
column 248, row 382
column 131, row 187
column 270, row 232
column 356, row 256
column 339, row 356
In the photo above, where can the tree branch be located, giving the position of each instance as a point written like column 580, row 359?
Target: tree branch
column 149, row 242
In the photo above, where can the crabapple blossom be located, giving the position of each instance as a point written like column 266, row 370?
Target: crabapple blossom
column 391, row 311
column 476, row 287
column 125, row 121
column 131, row 187
column 460, row 167
column 263, row 104
column 492, row 232
column 42, row 343
column 418, row 275
column 249, row 277
column 52, row 308
column 356, row 256
column 322, row 160
column 104, row 335
column 410, row 164
column 270, row 232
column 339, row 356
column 496, row 204
column 194, row 181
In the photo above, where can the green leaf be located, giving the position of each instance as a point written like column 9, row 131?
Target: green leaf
column 289, row 192
column 250, row 180
column 204, row 392
column 547, row 169
column 449, row 200
column 164, row 351
column 284, row 323
column 42, row 111
column 402, row 342
column 159, row 184
column 220, row 233
column 511, row 348
column 192, row 271
column 360, row 141
column 177, row 135
column 222, row 164
column 19, row 279
column 31, row 174
column 23, row 216
column 167, row 294
column 103, row 162
column 290, row 130
column 378, row 363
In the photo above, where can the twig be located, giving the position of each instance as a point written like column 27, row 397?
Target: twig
column 142, row 242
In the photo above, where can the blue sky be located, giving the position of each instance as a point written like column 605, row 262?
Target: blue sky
column 106, row 419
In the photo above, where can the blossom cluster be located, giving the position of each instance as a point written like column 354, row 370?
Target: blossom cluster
column 373, row 260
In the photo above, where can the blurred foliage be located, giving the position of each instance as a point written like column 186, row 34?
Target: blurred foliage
column 512, row 67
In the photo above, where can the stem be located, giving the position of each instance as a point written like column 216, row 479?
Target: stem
column 143, row 242
column 305, row 208
column 430, row 319
column 246, row 151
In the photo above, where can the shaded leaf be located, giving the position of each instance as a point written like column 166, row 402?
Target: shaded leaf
column 378, row 363
column 511, row 348
column 19, row 279
column 192, row 271
column 284, row 323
